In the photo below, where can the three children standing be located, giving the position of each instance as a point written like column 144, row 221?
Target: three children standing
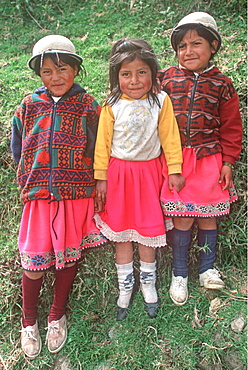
column 144, row 158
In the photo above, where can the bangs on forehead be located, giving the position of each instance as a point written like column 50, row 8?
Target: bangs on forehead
column 201, row 31
column 126, row 51
column 132, row 58
column 58, row 59
column 55, row 58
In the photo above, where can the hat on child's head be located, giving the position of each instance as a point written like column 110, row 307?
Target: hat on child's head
column 53, row 44
column 198, row 18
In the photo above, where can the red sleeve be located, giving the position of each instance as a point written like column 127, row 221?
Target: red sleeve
column 230, row 129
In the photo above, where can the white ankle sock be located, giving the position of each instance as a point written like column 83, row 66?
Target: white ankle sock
column 148, row 281
column 126, row 282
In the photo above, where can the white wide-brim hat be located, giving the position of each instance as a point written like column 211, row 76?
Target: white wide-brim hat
column 202, row 19
column 53, row 44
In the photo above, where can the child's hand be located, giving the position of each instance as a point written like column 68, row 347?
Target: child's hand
column 100, row 198
column 99, row 206
column 226, row 177
column 101, row 190
column 177, row 181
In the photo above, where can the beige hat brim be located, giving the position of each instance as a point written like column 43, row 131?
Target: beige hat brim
column 31, row 62
column 208, row 28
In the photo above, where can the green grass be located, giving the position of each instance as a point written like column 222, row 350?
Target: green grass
column 172, row 340
column 180, row 338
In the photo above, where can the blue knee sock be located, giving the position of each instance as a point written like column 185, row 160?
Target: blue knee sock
column 180, row 240
column 207, row 239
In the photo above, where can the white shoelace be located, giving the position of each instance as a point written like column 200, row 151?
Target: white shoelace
column 180, row 282
column 29, row 333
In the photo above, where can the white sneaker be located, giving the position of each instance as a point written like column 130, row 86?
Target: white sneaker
column 31, row 341
column 179, row 290
column 210, row 279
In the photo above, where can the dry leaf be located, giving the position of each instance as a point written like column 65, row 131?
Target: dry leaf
column 239, row 62
column 214, row 305
column 83, row 38
column 196, row 321
column 244, row 288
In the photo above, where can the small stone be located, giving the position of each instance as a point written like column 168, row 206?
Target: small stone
column 113, row 332
column 237, row 337
column 205, row 364
column 238, row 325
column 233, row 361
column 62, row 363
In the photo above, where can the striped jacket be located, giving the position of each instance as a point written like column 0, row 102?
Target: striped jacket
column 206, row 107
column 53, row 144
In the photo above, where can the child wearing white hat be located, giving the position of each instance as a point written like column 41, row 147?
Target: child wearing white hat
column 53, row 139
column 206, row 107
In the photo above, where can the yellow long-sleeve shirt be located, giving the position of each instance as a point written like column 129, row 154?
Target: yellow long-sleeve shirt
column 135, row 130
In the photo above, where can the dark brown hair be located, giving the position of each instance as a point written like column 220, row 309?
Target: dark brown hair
column 202, row 32
column 57, row 58
column 127, row 50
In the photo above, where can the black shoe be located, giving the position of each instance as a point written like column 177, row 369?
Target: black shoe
column 152, row 309
column 121, row 313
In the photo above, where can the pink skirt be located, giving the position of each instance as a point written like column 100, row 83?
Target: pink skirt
column 55, row 233
column 133, row 211
column 202, row 195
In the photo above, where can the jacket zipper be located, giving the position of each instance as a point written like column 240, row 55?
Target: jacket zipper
column 190, row 112
column 50, row 147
